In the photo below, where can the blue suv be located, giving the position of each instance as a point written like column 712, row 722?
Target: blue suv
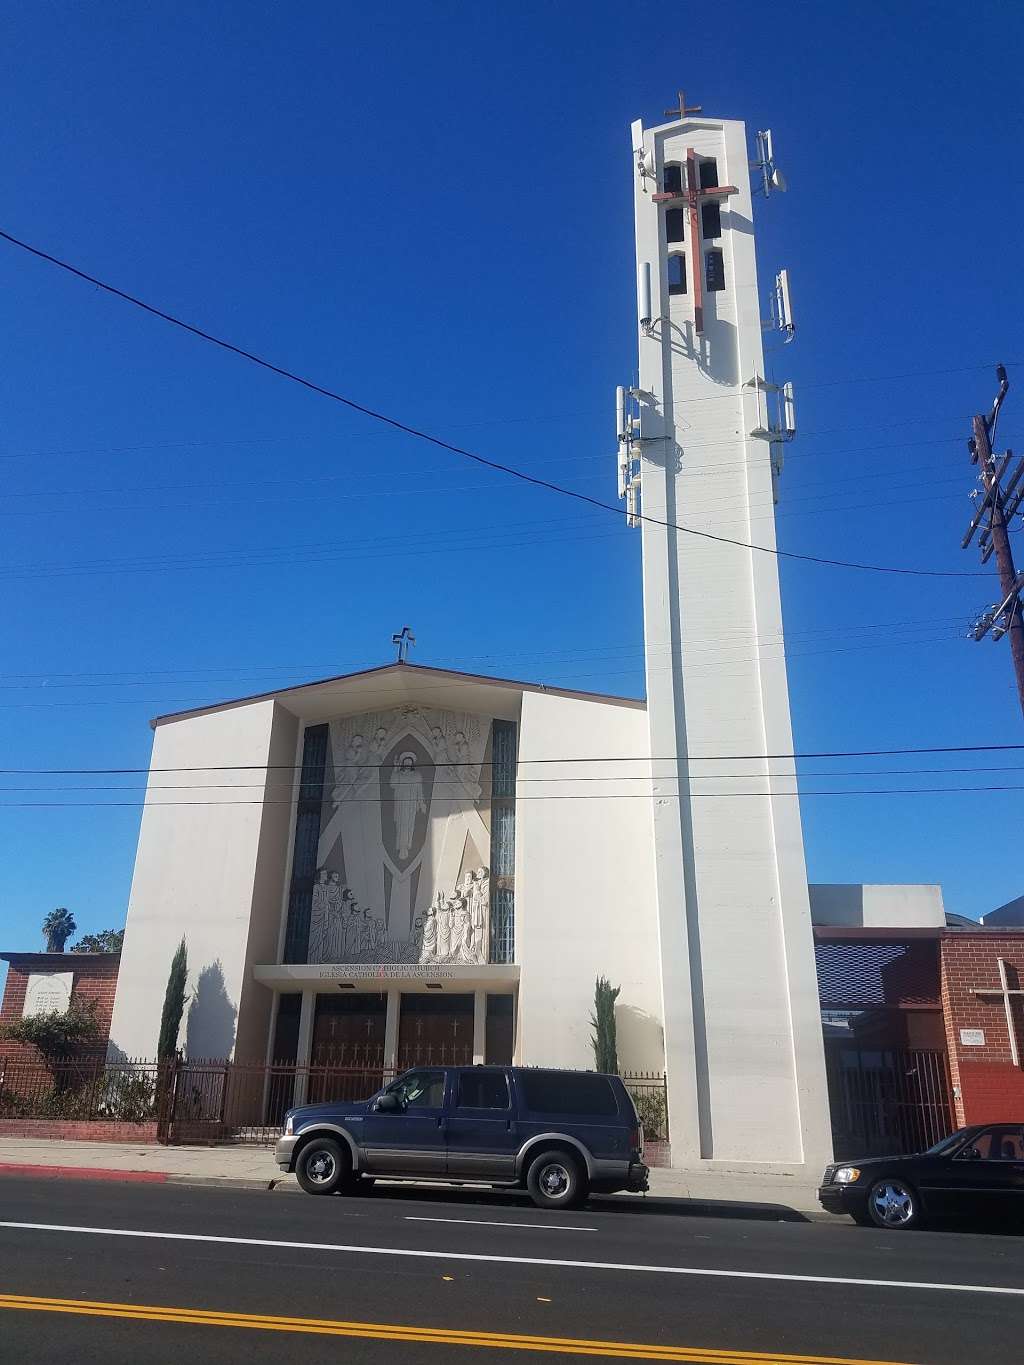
column 558, row 1134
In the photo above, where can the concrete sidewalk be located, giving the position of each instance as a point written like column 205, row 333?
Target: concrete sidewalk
column 740, row 1193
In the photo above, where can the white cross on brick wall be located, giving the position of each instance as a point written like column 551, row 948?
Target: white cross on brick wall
column 1008, row 994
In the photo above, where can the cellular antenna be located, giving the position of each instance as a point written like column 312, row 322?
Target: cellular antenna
column 771, row 177
column 781, row 319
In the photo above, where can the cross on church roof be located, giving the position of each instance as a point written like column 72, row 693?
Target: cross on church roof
column 684, row 108
column 403, row 639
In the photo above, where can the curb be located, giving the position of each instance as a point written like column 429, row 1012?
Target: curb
column 85, row 1173
column 683, row 1204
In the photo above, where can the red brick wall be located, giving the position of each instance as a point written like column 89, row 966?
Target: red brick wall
column 95, row 979
column 101, row 1130
column 990, row 1087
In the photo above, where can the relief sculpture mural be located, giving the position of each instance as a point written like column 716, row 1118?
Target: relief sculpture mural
column 402, row 858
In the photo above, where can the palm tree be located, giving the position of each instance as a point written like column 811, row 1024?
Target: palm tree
column 58, row 926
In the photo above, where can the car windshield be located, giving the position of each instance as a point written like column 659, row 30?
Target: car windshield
column 947, row 1144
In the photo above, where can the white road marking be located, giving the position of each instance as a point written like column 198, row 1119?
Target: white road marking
column 493, row 1223
column 439, row 1255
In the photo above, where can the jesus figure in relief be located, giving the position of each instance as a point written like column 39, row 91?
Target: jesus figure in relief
column 407, row 786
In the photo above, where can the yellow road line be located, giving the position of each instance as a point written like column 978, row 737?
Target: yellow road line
column 625, row 1350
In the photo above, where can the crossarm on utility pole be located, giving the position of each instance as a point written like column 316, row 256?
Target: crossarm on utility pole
column 1001, row 541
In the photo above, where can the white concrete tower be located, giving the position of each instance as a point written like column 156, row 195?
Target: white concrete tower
column 743, row 1038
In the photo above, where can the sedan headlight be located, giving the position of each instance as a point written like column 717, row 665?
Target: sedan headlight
column 846, row 1175
column 289, row 1125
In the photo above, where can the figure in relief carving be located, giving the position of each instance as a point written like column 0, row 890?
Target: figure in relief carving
column 379, row 743
column 319, row 920
column 463, row 769
column 428, row 948
column 462, row 931
column 349, row 775
column 407, row 786
column 479, row 905
column 332, row 917
column 348, row 944
column 443, row 914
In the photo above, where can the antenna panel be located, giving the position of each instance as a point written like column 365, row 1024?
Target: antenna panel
column 788, row 410
column 644, row 294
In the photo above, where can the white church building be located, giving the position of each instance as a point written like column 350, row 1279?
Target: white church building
column 412, row 861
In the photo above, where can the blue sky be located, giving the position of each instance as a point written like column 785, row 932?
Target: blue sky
column 429, row 208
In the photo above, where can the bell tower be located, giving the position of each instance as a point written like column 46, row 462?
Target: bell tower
column 700, row 444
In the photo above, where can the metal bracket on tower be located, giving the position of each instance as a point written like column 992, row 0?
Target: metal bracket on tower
column 629, row 435
column 784, row 426
column 781, row 319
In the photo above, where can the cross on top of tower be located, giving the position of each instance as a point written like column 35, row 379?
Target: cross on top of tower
column 683, row 108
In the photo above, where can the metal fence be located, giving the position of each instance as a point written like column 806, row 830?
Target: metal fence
column 199, row 1100
column 650, row 1095
column 83, row 1089
column 886, row 1100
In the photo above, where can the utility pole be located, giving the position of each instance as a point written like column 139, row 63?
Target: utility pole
column 998, row 504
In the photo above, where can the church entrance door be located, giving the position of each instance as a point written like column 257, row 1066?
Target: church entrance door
column 347, row 1054
column 435, row 1030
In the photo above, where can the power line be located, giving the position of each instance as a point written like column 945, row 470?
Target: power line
column 499, row 467
column 548, row 781
column 616, row 654
column 614, row 758
column 607, row 796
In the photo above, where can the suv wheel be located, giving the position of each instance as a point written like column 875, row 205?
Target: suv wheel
column 556, row 1181
column 893, row 1204
column 322, row 1166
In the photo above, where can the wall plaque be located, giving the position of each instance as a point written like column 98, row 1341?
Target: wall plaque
column 47, row 991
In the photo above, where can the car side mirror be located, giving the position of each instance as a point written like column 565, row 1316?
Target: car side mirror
column 388, row 1104
column 972, row 1154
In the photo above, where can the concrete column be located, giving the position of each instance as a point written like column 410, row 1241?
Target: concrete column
column 391, row 1030
column 305, row 1045
column 479, row 1027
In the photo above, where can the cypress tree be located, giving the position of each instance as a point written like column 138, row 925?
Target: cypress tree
column 174, row 1004
column 602, row 1021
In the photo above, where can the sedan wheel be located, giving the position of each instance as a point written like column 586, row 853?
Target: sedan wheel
column 893, row 1204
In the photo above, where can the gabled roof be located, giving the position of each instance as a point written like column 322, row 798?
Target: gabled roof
column 400, row 680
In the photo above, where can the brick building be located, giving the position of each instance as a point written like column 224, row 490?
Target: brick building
column 93, row 978
column 983, row 1009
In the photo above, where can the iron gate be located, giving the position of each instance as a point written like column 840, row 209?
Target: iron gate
column 886, row 1100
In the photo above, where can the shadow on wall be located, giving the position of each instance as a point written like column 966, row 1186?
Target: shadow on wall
column 641, row 1040
column 210, row 1031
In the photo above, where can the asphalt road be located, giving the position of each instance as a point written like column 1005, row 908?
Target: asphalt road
column 415, row 1276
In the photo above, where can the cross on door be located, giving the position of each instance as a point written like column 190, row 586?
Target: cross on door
column 1008, row 994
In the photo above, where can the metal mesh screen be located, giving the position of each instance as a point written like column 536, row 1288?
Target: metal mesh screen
column 860, row 974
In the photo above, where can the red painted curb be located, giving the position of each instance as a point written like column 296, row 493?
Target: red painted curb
column 83, row 1173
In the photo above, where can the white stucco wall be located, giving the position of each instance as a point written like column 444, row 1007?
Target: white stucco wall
column 877, row 906
column 195, row 875
column 585, row 893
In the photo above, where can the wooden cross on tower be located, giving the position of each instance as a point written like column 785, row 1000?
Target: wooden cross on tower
column 1008, row 994
column 693, row 194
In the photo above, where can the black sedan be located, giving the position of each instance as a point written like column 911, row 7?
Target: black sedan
column 978, row 1172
